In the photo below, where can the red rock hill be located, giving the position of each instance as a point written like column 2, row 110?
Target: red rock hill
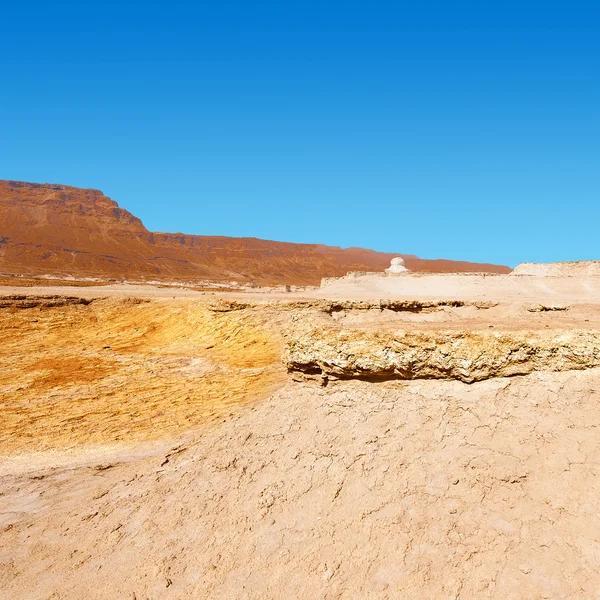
column 62, row 230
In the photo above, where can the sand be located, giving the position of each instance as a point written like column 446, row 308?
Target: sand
column 153, row 446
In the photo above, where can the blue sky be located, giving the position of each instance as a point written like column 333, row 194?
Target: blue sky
column 464, row 130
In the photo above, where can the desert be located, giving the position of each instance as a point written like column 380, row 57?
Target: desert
column 299, row 300
column 379, row 436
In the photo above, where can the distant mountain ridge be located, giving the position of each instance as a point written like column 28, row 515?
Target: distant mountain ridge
column 52, row 229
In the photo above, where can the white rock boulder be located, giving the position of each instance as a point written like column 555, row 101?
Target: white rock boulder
column 397, row 266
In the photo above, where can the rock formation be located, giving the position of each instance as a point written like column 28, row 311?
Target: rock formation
column 466, row 356
column 48, row 229
column 397, row 266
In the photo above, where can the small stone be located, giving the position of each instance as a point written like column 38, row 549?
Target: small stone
column 525, row 569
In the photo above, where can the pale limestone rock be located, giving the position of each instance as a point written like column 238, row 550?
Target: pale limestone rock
column 397, row 265
column 583, row 269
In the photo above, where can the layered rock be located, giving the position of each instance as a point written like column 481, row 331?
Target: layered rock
column 464, row 355
column 49, row 229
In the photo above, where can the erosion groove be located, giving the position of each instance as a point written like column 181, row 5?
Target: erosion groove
column 393, row 305
column 123, row 370
column 41, row 301
column 336, row 306
column 465, row 356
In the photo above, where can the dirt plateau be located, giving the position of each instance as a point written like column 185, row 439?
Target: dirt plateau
column 184, row 445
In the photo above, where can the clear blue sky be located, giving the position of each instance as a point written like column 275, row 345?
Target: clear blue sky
column 466, row 130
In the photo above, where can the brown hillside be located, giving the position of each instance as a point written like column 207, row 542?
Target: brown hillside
column 62, row 230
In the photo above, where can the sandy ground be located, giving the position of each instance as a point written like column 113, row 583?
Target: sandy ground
column 498, row 288
column 153, row 446
column 422, row 286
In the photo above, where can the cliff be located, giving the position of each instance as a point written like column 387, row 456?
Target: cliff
column 49, row 229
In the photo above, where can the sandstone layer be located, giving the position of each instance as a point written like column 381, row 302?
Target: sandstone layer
column 466, row 356
column 58, row 230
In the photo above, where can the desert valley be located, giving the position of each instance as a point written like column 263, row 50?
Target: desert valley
column 207, row 417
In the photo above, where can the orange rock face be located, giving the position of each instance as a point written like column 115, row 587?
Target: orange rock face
column 48, row 229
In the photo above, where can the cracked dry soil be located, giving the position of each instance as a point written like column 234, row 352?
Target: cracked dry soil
column 274, row 488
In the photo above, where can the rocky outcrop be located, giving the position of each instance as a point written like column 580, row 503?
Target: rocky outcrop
column 397, row 267
column 66, row 231
column 584, row 268
column 465, row 356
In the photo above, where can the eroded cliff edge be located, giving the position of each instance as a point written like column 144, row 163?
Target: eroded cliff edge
column 467, row 356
